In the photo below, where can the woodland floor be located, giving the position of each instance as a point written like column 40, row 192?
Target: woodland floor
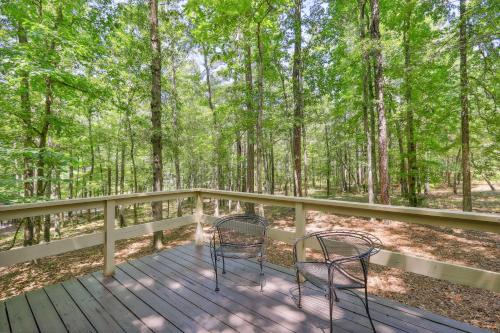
column 477, row 249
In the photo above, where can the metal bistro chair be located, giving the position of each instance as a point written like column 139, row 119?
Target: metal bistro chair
column 343, row 264
column 238, row 237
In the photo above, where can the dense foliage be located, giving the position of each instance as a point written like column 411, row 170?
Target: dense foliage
column 75, row 95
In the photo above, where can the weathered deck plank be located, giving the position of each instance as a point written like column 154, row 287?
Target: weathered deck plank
column 101, row 320
column 20, row 317
column 70, row 313
column 234, row 320
column 4, row 320
column 173, row 291
column 146, row 313
column 127, row 320
column 44, row 312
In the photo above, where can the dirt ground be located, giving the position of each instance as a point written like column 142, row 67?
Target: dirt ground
column 477, row 249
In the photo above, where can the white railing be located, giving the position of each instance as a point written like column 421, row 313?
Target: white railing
column 470, row 276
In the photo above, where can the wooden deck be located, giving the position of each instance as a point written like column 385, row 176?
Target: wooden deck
column 173, row 291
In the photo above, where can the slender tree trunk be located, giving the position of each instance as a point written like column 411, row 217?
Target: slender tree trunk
column 176, row 129
column 28, row 139
column 92, row 153
column 412, row 147
column 217, row 157
column 117, row 170
column 238, row 169
column 121, row 216
column 328, row 162
column 305, row 169
column 366, row 103
column 260, row 113
column 297, row 97
column 402, row 162
column 464, row 101
column 132, row 158
column 250, row 208
column 156, row 137
column 379, row 92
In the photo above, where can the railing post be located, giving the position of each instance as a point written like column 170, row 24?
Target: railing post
column 198, row 213
column 109, row 239
column 300, row 228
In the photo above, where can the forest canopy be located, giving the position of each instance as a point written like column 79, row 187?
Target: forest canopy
column 386, row 99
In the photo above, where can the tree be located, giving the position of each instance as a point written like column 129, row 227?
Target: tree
column 156, row 135
column 379, row 92
column 298, row 97
column 464, row 103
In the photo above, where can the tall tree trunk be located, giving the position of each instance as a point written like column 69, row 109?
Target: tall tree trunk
column 373, row 130
column 217, row 158
column 379, row 92
column 239, row 180
column 464, row 101
column 176, row 129
column 297, row 97
column 156, row 116
column 121, row 216
column 92, row 153
column 117, row 170
column 132, row 157
column 412, row 146
column 328, row 162
column 250, row 208
column 366, row 103
column 28, row 139
column 305, row 169
column 402, row 162
column 260, row 112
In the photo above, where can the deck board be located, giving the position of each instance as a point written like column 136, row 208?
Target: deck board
column 44, row 312
column 20, row 316
column 70, row 313
column 101, row 320
column 4, row 320
column 123, row 316
column 143, row 311
column 173, row 291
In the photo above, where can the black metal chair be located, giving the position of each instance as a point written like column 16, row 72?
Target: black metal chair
column 342, row 263
column 238, row 237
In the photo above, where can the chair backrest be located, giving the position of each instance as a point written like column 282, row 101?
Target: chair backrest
column 241, row 230
column 340, row 244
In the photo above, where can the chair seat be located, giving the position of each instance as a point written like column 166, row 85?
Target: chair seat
column 317, row 274
column 239, row 252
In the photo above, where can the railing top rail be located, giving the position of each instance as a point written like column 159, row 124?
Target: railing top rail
column 55, row 206
column 443, row 217
column 361, row 205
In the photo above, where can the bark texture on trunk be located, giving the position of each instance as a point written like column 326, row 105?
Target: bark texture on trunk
column 410, row 128
column 464, row 101
column 250, row 181
column 156, row 116
column 366, row 106
column 379, row 99
column 298, row 98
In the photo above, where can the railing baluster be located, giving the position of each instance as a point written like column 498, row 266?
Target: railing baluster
column 109, row 239
column 300, row 227
column 198, row 240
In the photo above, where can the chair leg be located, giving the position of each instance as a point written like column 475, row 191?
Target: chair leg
column 298, row 284
column 214, row 261
column 223, row 265
column 330, row 303
column 368, row 309
column 261, row 274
